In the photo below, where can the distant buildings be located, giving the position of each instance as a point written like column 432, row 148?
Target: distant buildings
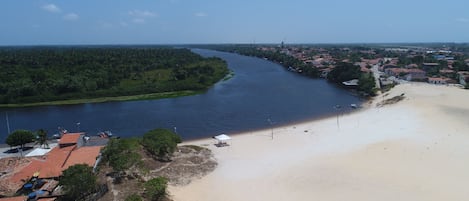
column 422, row 64
column 412, row 74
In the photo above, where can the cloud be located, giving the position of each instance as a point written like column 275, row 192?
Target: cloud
column 139, row 21
column 51, row 8
column 71, row 16
column 142, row 13
column 464, row 20
column 200, row 14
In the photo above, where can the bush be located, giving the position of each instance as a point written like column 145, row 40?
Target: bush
column 77, row 181
column 20, row 137
column 161, row 143
column 133, row 197
column 367, row 84
column 344, row 72
column 155, row 189
column 121, row 154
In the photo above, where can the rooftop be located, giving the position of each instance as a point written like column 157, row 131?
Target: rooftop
column 70, row 138
column 17, row 198
column 83, row 155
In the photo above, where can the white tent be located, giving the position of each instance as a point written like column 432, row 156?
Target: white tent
column 222, row 137
column 222, row 140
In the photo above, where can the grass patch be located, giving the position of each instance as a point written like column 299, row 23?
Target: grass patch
column 195, row 147
column 151, row 96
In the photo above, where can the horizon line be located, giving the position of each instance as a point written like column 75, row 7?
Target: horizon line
column 195, row 44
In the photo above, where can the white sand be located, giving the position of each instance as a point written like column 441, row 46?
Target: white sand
column 417, row 149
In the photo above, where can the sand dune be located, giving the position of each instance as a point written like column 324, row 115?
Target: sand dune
column 416, row 149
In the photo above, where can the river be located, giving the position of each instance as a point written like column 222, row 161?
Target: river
column 259, row 90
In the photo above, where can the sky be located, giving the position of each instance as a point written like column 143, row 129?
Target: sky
column 88, row 22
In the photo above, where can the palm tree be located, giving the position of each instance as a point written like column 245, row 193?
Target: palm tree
column 42, row 138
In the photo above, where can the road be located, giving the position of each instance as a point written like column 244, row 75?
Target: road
column 376, row 74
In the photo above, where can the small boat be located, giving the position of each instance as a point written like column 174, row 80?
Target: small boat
column 105, row 134
column 354, row 106
column 62, row 131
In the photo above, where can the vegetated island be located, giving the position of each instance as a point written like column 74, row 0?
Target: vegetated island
column 33, row 76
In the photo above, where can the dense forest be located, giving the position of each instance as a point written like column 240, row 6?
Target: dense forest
column 39, row 74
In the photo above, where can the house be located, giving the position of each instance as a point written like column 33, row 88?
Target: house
column 447, row 72
column 72, row 150
column 396, row 72
column 70, row 139
column 429, row 66
column 463, row 77
column 412, row 66
column 438, row 80
column 412, row 74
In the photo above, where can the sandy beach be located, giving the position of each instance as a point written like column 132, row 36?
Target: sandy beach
column 416, row 149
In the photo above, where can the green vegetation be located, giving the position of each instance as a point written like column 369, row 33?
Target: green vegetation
column 36, row 75
column 133, row 197
column 276, row 56
column 20, row 138
column 78, row 181
column 344, row 72
column 367, row 84
column 161, row 143
column 155, row 189
column 121, row 154
column 152, row 96
column 125, row 154
column 42, row 138
column 347, row 71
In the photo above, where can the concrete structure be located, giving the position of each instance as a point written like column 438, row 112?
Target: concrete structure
column 463, row 77
column 439, row 80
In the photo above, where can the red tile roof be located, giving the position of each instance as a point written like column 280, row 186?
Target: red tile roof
column 18, row 198
column 83, row 155
column 48, row 167
column 46, row 199
column 70, row 138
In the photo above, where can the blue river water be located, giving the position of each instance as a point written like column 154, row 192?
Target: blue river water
column 258, row 91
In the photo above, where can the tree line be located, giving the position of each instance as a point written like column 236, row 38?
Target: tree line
column 41, row 74
column 277, row 56
column 344, row 71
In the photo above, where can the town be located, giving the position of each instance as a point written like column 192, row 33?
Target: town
column 439, row 64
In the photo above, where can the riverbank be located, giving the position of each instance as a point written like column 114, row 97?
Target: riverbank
column 152, row 96
column 415, row 149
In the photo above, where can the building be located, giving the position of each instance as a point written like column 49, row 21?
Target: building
column 429, row 66
column 72, row 149
column 439, row 80
column 463, row 77
column 412, row 74
column 416, row 75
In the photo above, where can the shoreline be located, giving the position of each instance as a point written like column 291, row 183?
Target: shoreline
column 377, row 153
column 365, row 105
column 151, row 96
